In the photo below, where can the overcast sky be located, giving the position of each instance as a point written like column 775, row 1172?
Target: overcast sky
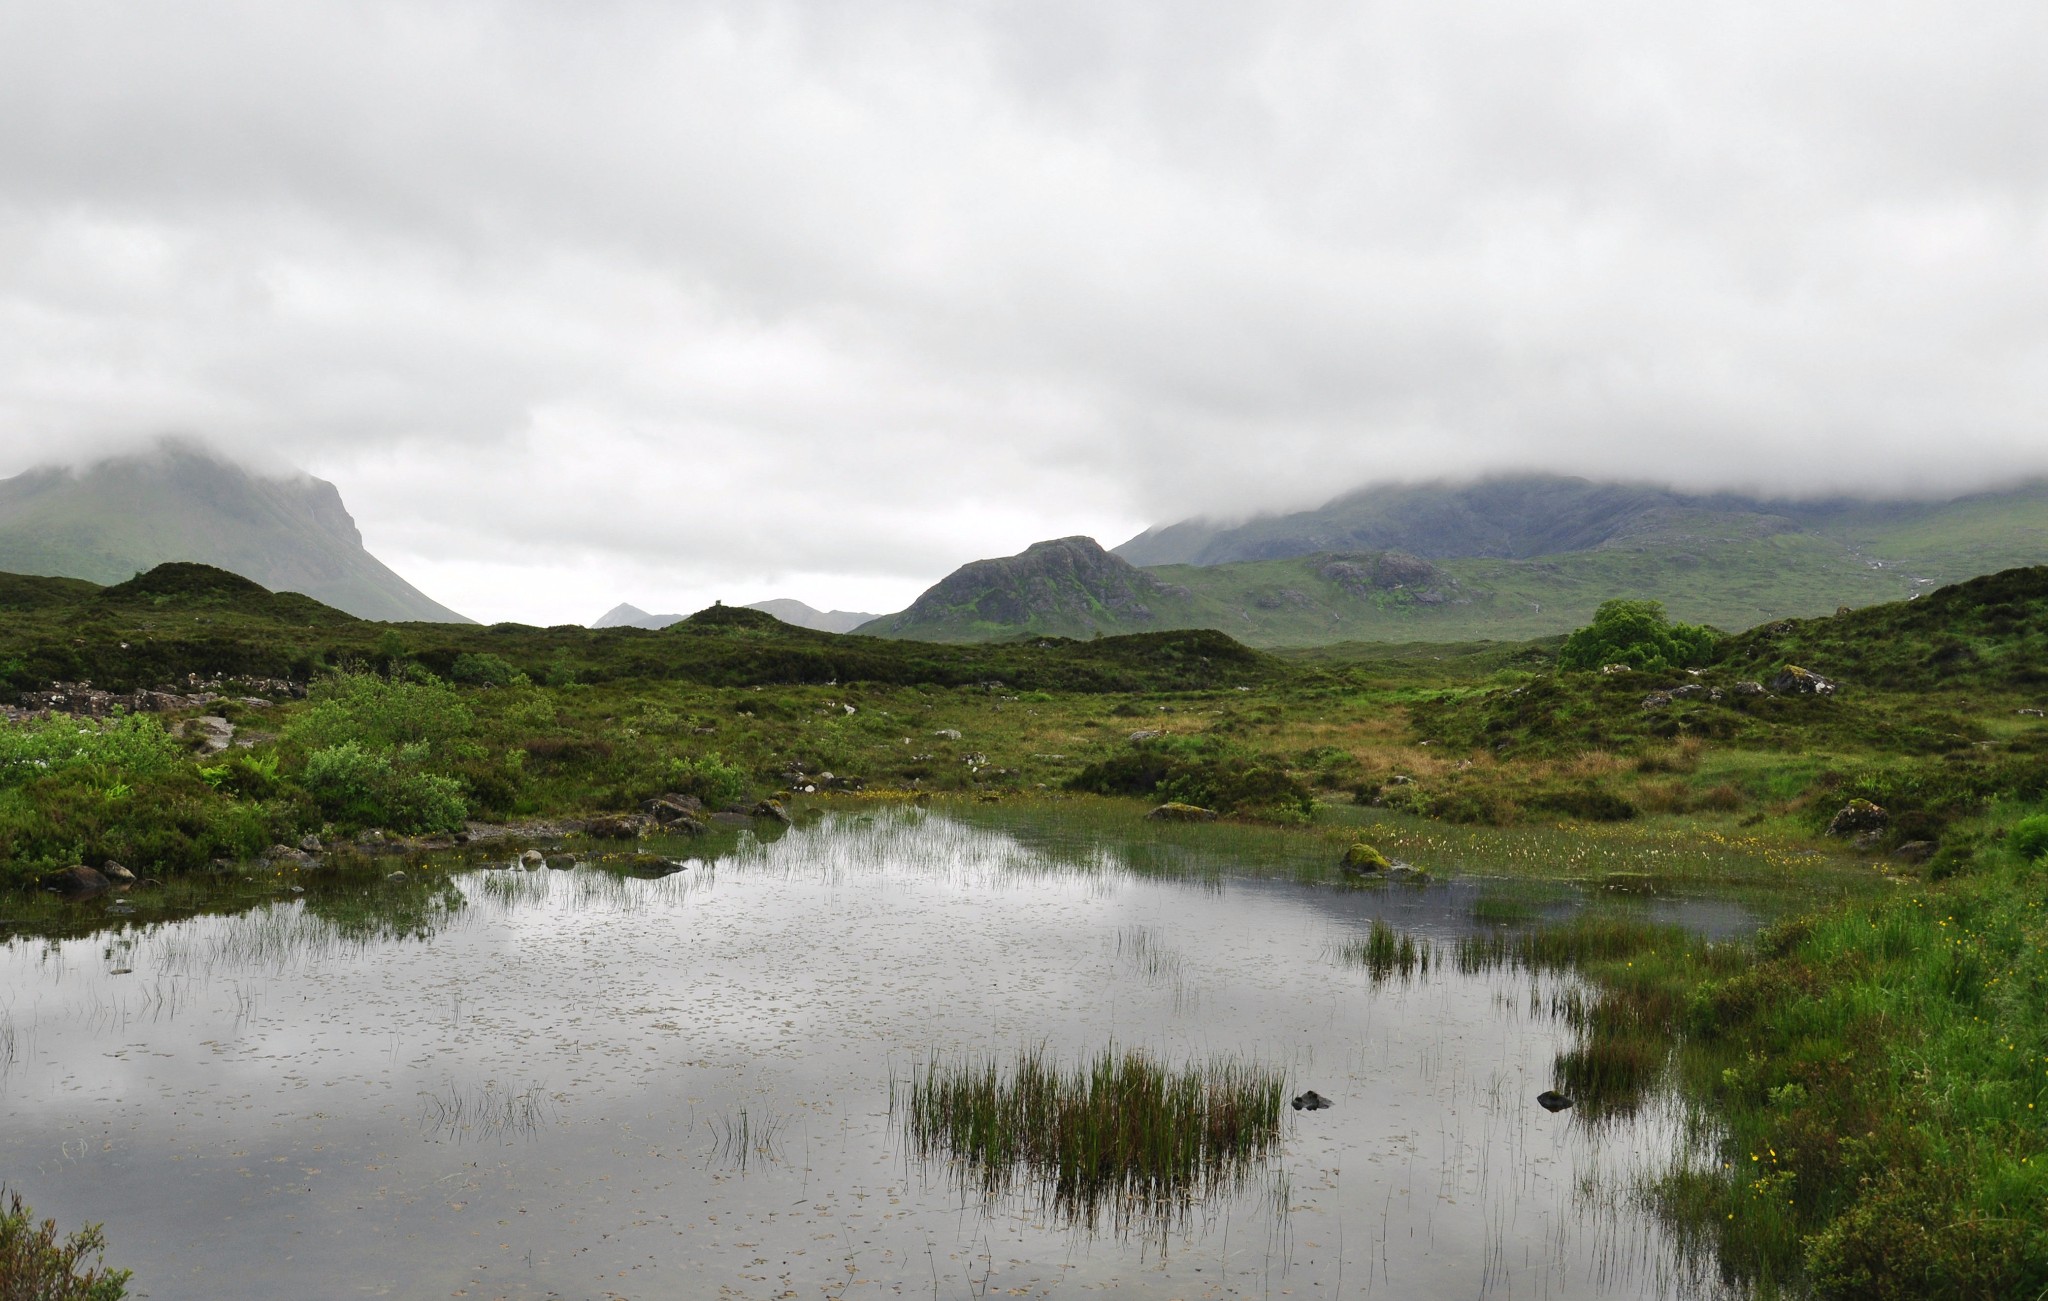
column 580, row 303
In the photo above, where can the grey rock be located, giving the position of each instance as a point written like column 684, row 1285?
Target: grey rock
column 1312, row 1101
column 1795, row 681
column 310, row 843
column 1859, row 817
column 773, row 811
column 116, row 873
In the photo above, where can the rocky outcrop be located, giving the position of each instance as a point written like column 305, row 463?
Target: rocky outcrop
column 1795, row 681
column 1857, row 818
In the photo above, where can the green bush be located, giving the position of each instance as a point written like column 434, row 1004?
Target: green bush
column 710, row 778
column 1638, row 634
column 484, row 669
column 169, row 822
column 381, row 714
column 357, row 787
column 34, row 1266
column 130, row 745
column 2029, row 837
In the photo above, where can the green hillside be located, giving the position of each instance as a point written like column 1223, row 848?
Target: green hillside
column 180, row 503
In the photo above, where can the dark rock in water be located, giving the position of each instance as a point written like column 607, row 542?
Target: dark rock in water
column 1312, row 1101
column 684, row 827
column 651, row 866
column 1552, row 1100
column 1795, row 681
column 1176, row 812
column 773, row 811
column 562, row 862
column 1858, row 817
column 532, row 858
column 76, row 882
column 613, row 828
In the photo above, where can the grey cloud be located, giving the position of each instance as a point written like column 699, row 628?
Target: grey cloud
column 869, row 290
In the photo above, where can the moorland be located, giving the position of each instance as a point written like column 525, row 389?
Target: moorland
column 1875, row 1062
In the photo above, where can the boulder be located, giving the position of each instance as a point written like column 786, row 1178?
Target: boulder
column 116, row 873
column 669, row 808
column 532, row 858
column 612, row 828
column 1177, row 812
column 310, row 843
column 76, row 882
column 1312, row 1101
column 1857, row 818
column 1552, row 1100
column 1657, row 700
column 1749, row 689
column 1363, row 858
column 213, row 732
column 948, row 733
column 1146, row 734
column 773, row 811
column 1795, row 681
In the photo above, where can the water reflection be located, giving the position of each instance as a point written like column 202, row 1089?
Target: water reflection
column 533, row 1083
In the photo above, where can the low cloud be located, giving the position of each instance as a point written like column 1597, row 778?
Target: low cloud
column 719, row 298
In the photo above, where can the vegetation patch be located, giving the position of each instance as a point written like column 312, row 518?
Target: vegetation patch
column 1119, row 1133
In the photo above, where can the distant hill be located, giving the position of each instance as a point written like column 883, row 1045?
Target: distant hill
column 1501, row 559
column 795, row 613
column 177, row 502
column 1069, row 587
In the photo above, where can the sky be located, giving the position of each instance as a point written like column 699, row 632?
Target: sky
column 666, row 302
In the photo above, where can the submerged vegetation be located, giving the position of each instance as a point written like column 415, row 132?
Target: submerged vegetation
column 1118, row 1133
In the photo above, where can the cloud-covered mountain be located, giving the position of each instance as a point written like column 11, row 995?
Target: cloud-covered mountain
column 180, row 502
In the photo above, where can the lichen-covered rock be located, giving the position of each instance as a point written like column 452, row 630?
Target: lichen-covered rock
column 1177, row 812
column 1795, row 681
column 1857, row 818
column 669, row 808
column 116, row 873
column 1362, row 857
column 774, row 812
column 616, row 828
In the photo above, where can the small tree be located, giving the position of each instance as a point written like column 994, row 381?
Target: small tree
column 35, row 1266
column 1638, row 634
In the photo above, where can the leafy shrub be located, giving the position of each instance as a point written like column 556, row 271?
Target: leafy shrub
column 710, row 778
column 2029, row 837
column 483, row 669
column 380, row 713
column 1638, row 634
column 130, row 745
column 35, row 1267
column 355, row 786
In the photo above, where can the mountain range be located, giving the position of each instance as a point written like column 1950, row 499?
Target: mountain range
column 1511, row 557
column 180, row 502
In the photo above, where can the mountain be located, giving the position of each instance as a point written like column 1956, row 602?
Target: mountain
column 179, row 502
column 803, row 616
column 791, row 612
column 632, row 616
column 1068, row 587
column 1501, row 559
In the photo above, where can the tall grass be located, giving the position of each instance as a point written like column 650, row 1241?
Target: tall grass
column 1386, row 953
column 1119, row 1135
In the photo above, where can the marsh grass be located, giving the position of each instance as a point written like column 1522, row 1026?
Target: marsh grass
column 486, row 1114
column 1386, row 953
column 1119, row 1135
column 742, row 1138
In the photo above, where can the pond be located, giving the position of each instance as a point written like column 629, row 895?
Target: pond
column 494, row 1082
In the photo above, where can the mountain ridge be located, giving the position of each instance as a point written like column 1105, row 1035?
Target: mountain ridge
column 179, row 502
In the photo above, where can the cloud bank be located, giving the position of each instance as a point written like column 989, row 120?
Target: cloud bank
column 664, row 301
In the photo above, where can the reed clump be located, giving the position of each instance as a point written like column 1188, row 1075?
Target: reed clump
column 1119, row 1133
column 1386, row 953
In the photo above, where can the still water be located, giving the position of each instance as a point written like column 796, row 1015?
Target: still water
column 579, row 1084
